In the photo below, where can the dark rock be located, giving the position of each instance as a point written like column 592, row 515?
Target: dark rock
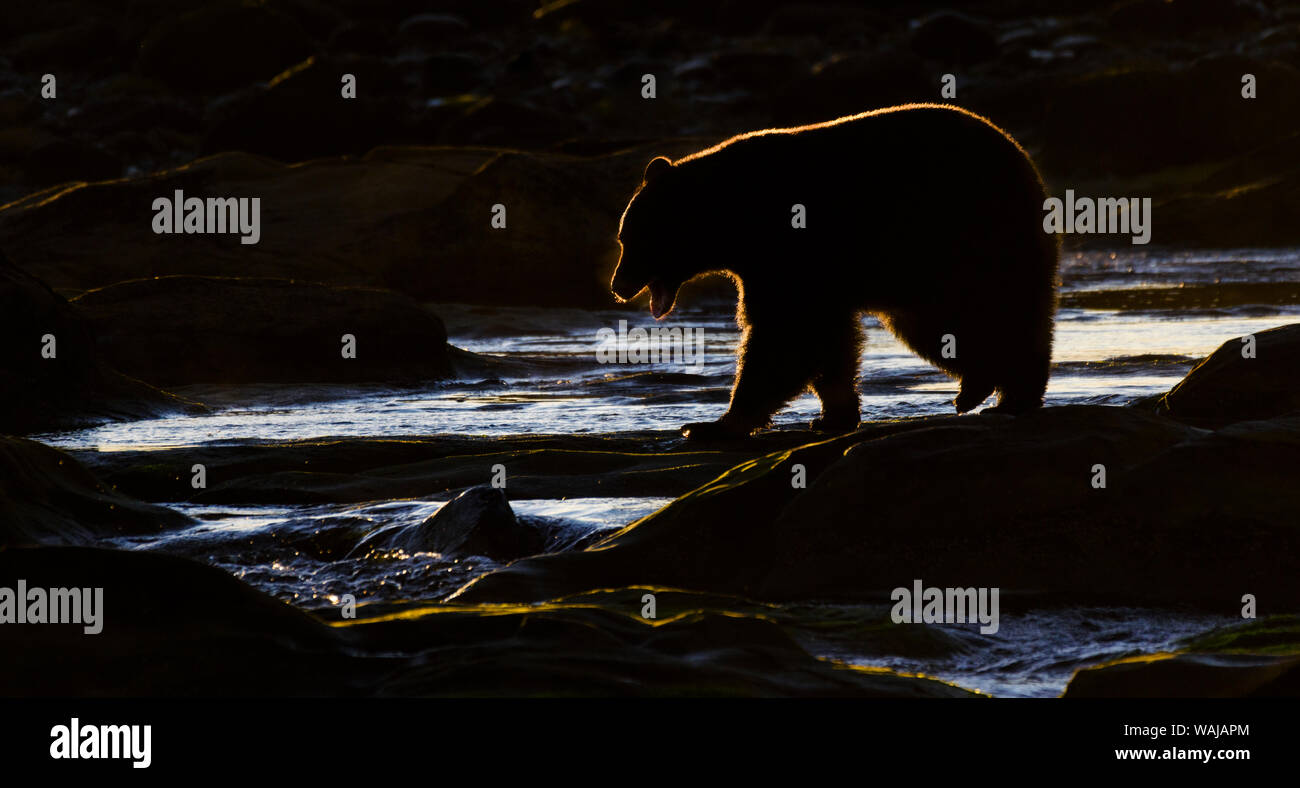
column 450, row 74
column 368, row 38
column 1251, row 659
column 479, row 521
column 62, row 160
column 507, row 122
column 836, row 21
column 852, row 82
column 79, row 46
column 1226, row 387
column 305, row 116
column 192, row 53
column 1148, row 18
column 75, row 387
column 47, row 498
column 429, row 32
column 253, row 330
column 1191, row 114
column 955, row 38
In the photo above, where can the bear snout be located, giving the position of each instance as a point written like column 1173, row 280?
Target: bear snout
column 624, row 290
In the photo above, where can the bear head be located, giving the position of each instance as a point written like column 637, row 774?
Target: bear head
column 653, row 253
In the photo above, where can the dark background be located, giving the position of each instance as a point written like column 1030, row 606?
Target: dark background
column 1115, row 92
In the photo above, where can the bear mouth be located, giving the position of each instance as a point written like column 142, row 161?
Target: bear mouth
column 662, row 298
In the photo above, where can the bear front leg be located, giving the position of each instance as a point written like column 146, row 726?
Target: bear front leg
column 772, row 369
column 836, row 381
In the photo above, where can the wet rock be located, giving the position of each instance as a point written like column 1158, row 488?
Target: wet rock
column 191, row 52
column 53, row 376
column 479, row 521
column 651, row 464
column 47, row 498
column 257, row 330
column 1259, row 658
column 960, row 502
column 951, row 37
column 1227, row 387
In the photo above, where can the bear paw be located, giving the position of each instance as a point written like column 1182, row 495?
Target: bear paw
column 834, row 423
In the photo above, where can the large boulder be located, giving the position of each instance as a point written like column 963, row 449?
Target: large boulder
column 257, row 330
column 52, row 376
column 47, row 498
column 1246, row 378
column 479, row 521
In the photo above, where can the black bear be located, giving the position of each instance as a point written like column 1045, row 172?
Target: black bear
column 926, row 215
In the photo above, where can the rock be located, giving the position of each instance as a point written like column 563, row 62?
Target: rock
column 511, row 123
column 75, row 387
column 849, row 82
column 78, row 47
column 961, row 502
column 1257, row 658
column 1147, row 18
column 1194, row 114
column 62, row 160
column 205, row 633
column 47, row 498
column 303, row 115
column 648, row 464
column 449, row 74
column 254, row 330
column 429, row 32
column 479, row 521
column 1226, row 387
column 951, row 37
column 1190, row 676
column 191, row 52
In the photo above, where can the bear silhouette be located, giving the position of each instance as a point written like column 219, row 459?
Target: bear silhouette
column 926, row 215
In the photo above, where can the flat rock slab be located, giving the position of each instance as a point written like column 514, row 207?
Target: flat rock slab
column 1186, row 516
column 350, row 470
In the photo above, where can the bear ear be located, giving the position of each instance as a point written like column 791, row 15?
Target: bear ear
column 657, row 167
